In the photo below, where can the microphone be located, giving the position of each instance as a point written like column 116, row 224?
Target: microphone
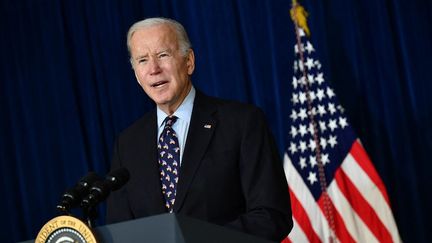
column 72, row 197
column 100, row 190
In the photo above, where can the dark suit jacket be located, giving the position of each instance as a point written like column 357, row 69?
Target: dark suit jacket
column 231, row 173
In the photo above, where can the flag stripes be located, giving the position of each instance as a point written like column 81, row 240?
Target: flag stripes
column 342, row 232
column 301, row 215
column 359, row 154
column 299, row 235
column 310, row 217
column 366, row 178
column 361, row 208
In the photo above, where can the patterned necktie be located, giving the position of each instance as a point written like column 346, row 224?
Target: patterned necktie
column 169, row 162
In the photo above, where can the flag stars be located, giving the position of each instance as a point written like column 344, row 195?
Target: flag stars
column 313, row 99
column 302, row 146
column 302, row 130
column 312, row 145
column 293, row 132
column 330, row 92
column 296, row 48
column 312, row 178
column 314, row 112
column 325, row 159
column 332, row 124
column 317, row 64
column 301, row 32
column 295, row 98
column 319, row 78
column 295, row 82
column 302, row 163
column 331, row 108
column 302, row 80
column 321, row 110
column 311, row 78
column 300, row 65
column 312, row 161
column 302, row 97
column 323, row 143
column 312, row 95
column 293, row 115
column 302, row 114
column 311, row 129
column 332, row 141
column 320, row 94
column 292, row 148
column 343, row 122
column 309, row 47
column 309, row 63
column 322, row 125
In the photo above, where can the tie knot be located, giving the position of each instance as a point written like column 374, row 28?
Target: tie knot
column 170, row 120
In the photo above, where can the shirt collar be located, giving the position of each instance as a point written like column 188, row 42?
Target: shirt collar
column 183, row 112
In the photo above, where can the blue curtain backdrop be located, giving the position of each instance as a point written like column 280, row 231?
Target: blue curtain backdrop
column 67, row 89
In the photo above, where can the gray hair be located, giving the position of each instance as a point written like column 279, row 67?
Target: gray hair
column 182, row 37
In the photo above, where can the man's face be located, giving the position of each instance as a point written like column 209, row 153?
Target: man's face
column 161, row 69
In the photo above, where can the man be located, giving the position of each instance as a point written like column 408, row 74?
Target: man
column 203, row 157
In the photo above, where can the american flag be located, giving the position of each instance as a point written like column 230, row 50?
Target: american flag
column 336, row 193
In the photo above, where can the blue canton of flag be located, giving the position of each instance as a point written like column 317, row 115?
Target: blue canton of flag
column 313, row 96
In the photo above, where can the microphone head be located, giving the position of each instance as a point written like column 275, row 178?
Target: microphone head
column 86, row 182
column 117, row 178
column 100, row 190
column 73, row 196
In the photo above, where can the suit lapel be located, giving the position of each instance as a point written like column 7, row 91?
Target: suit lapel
column 199, row 136
column 147, row 171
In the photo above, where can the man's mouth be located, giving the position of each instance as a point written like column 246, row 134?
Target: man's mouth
column 159, row 84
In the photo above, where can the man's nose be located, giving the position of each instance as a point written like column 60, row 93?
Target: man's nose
column 154, row 67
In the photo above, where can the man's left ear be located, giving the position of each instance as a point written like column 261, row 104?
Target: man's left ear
column 191, row 62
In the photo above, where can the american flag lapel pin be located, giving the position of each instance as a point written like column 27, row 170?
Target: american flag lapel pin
column 208, row 126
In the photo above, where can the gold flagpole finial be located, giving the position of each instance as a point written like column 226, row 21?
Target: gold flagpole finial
column 299, row 16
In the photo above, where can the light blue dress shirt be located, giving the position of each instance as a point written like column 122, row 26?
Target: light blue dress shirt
column 181, row 126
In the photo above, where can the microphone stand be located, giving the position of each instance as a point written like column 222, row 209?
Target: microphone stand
column 90, row 214
column 63, row 210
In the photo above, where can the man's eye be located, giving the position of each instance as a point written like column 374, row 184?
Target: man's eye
column 142, row 60
column 163, row 55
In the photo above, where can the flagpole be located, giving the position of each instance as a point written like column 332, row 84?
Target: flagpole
column 298, row 15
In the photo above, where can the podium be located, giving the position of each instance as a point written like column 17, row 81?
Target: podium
column 170, row 228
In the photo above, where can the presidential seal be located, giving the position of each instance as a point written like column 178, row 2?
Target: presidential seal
column 65, row 229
